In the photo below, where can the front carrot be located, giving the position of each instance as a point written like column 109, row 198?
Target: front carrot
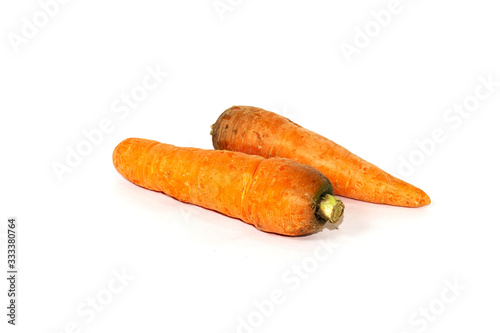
column 275, row 195
column 256, row 131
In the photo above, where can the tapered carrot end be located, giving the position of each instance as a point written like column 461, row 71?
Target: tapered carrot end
column 413, row 197
column 423, row 199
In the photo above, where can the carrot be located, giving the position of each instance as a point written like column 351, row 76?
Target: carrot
column 256, row 131
column 275, row 195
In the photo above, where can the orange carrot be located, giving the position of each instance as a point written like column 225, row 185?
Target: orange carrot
column 275, row 195
column 256, row 131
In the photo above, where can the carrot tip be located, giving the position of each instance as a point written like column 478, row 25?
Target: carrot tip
column 331, row 209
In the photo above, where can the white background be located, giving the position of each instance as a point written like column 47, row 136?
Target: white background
column 193, row 270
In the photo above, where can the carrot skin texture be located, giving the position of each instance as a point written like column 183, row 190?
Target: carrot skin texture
column 256, row 131
column 275, row 195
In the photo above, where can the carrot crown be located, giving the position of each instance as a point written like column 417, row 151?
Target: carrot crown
column 331, row 209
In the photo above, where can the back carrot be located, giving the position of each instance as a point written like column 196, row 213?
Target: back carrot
column 256, row 131
column 275, row 195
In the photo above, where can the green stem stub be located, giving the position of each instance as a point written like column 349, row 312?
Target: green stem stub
column 331, row 209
